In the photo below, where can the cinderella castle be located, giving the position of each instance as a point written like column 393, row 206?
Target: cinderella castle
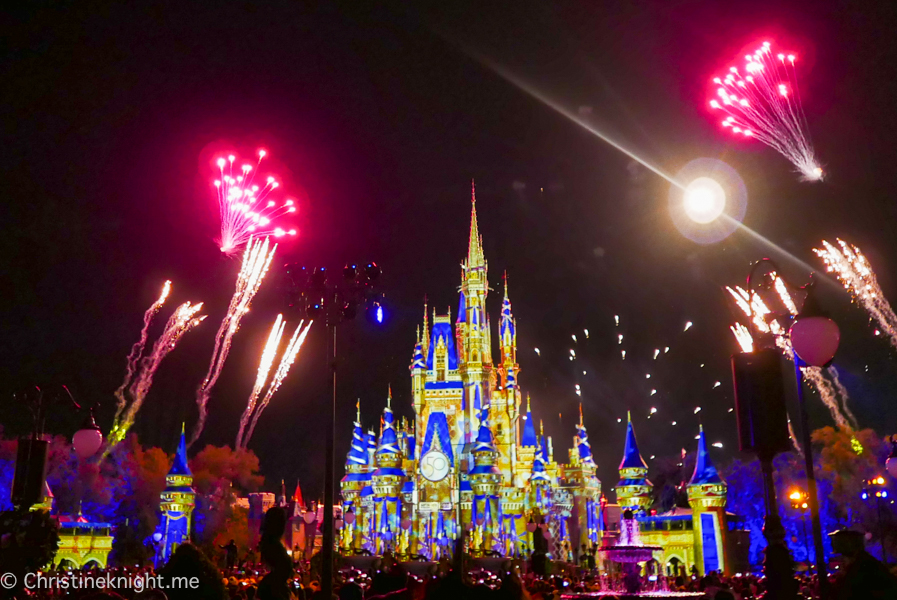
column 472, row 460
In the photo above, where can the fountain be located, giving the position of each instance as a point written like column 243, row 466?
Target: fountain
column 629, row 552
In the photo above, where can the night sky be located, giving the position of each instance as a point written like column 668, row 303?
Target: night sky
column 377, row 119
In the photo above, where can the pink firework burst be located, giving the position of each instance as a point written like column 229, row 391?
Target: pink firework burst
column 247, row 204
column 761, row 100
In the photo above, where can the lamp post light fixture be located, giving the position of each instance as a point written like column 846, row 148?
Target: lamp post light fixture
column 88, row 439
column 800, row 504
column 314, row 294
column 798, row 500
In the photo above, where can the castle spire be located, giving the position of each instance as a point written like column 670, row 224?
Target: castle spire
column 389, row 395
column 474, row 247
column 529, row 427
column 705, row 471
column 358, row 411
column 632, row 458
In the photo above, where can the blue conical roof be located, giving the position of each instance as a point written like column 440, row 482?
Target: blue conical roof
column 585, row 449
column 529, row 430
column 418, row 361
column 632, row 459
column 506, row 326
column 705, row 471
column 389, row 442
column 358, row 452
column 485, row 440
column 462, row 309
column 538, row 472
column 180, row 466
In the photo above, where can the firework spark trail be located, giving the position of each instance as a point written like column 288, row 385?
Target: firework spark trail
column 764, row 103
column 246, row 209
column 256, row 260
column 267, row 360
column 181, row 321
column 793, row 437
column 828, row 393
column 855, row 273
column 286, row 361
column 842, row 392
column 137, row 351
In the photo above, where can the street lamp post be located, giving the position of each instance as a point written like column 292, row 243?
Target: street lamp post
column 31, row 456
column 800, row 505
column 814, row 341
column 763, row 429
column 310, row 292
column 875, row 488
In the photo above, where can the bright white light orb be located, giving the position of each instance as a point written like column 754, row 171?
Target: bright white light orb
column 704, row 200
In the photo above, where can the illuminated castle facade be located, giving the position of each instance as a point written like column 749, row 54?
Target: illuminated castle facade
column 470, row 459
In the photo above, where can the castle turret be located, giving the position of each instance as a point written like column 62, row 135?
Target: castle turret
column 526, row 449
column 388, row 478
column 707, row 498
column 633, row 489
column 357, row 476
column 506, row 399
column 418, row 378
column 485, row 479
column 178, row 501
column 585, row 488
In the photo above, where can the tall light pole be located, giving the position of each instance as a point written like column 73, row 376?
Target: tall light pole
column 309, row 291
column 763, row 430
column 814, row 339
column 799, row 504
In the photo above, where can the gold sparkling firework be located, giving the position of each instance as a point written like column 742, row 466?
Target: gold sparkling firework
column 286, row 361
column 828, row 392
column 256, row 260
column 181, row 321
column 855, row 273
column 137, row 351
column 267, row 360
